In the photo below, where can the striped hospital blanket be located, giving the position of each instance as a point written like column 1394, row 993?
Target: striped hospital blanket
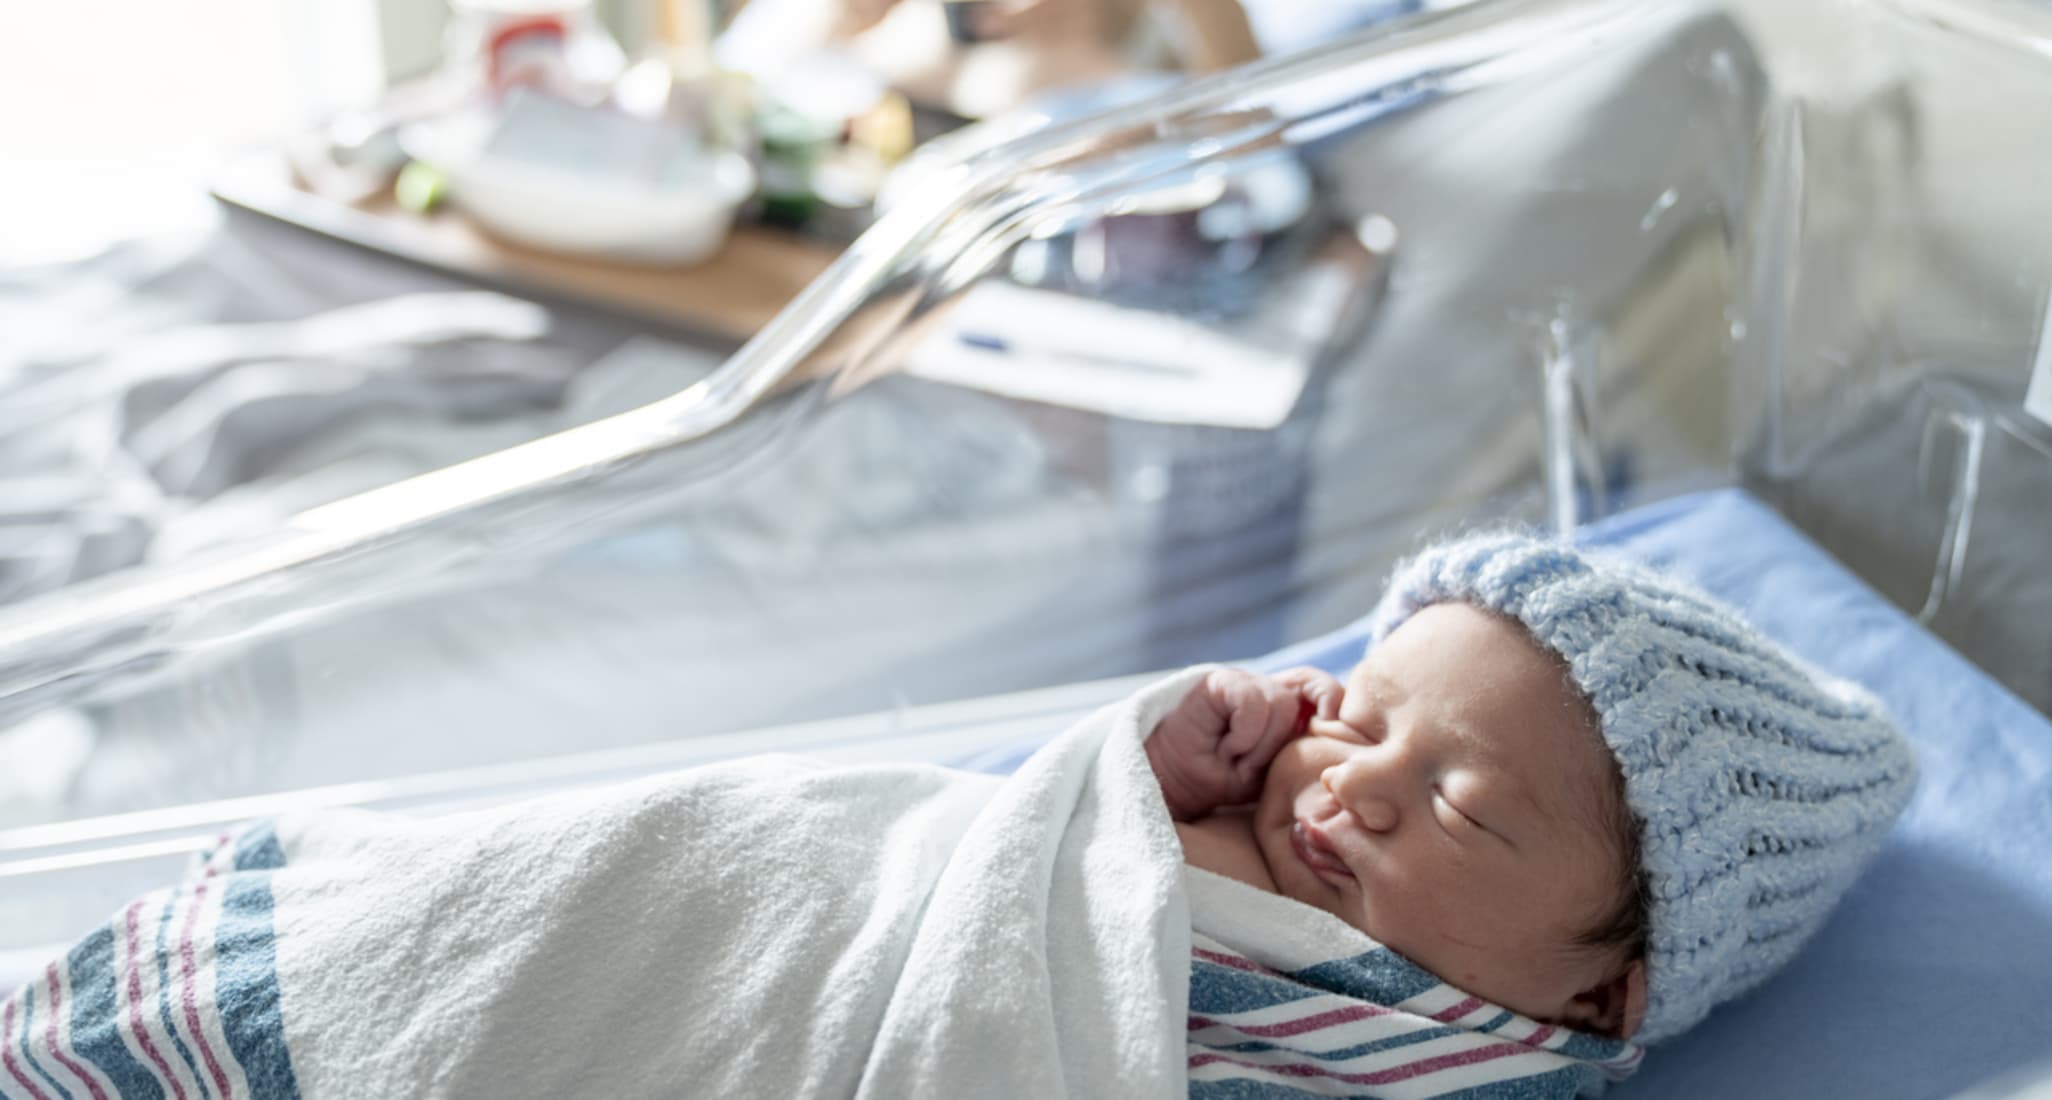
column 135, row 1009
column 1256, row 1031
column 1288, row 1001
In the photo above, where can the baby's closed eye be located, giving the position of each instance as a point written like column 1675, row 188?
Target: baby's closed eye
column 1454, row 814
column 1462, row 813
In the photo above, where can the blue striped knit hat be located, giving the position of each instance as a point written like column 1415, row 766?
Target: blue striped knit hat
column 1762, row 785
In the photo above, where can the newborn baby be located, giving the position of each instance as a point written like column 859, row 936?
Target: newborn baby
column 1565, row 785
column 1561, row 801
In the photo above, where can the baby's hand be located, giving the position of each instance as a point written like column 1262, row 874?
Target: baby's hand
column 1214, row 748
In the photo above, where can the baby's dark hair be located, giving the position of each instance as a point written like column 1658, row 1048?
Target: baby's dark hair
column 1624, row 926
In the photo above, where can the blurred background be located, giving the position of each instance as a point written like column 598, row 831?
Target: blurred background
column 135, row 104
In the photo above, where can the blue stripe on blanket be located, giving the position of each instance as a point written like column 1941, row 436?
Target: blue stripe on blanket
column 1239, row 1088
column 257, row 849
column 246, row 968
column 164, row 1001
column 1218, row 989
column 1559, row 1085
column 1381, row 976
column 28, row 1012
column 93, row 1011
column 1594, row 1048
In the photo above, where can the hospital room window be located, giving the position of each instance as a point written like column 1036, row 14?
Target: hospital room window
column 107, row 100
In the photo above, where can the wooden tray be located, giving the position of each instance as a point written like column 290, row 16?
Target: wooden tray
column 728, row 297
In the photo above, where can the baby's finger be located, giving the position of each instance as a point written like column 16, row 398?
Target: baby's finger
column 1326, row 695
column 1319, row 687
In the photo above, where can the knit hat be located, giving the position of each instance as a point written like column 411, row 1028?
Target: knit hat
column 1763, row 785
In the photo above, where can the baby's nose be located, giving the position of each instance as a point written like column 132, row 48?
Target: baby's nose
column 1377, row 815
column 1355, row 790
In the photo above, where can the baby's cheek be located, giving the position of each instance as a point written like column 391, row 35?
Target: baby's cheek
column 1276, row 787
column 1285, row 777
column 1295, row 765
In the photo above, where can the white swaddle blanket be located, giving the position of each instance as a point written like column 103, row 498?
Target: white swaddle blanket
column 768, row 927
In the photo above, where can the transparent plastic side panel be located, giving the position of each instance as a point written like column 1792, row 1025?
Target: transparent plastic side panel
column 1179, row 382
column 1896, row 304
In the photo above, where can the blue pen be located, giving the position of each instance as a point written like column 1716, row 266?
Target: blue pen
column 989, row 342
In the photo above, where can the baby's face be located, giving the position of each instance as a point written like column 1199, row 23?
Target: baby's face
column 1451, row 811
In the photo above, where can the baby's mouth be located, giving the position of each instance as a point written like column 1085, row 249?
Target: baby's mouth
column 1311, row 845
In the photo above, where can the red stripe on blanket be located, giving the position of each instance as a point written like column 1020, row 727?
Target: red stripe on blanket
column 1455, row 1012
column 7, row 1055
column 133, row 941
column 1314, row 1022
column 187, row 999
column 1449, row 1061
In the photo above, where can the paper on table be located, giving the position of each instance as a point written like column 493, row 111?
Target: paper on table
column 1043, row 346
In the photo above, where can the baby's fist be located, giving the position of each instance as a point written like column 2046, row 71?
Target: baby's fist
column 1214, row 748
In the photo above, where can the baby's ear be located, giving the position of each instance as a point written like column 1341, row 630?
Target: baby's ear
column 1615, row 1008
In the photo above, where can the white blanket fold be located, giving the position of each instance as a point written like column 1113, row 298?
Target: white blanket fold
column 768, row 927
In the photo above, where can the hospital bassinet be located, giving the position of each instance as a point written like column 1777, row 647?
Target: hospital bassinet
column 1174, row 382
